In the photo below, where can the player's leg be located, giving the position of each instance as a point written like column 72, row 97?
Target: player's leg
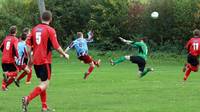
column 3, row 85
column 120, row 60
column 88, row 60
column 90, row 69
column 5, row 69
column 97, row 63
column 187, row 72
column 26, row 70
column 11, row 74
column 146, row 70
column 29, row 76
column 23, row 74
column 192, row 65
column 42, row 72
column 141, row 65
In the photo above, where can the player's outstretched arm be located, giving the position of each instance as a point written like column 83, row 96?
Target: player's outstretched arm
column 90, row 36
column 125, row 41
column 60, row 50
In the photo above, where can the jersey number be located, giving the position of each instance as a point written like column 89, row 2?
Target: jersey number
column 38, row 37
column 8, row 45
column 80, row 45
column 195, row 46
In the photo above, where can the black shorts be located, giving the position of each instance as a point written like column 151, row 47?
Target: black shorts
column 9, row 67
column 25, row 61
column 193, row 60
column 43, row 71
column 139, row 61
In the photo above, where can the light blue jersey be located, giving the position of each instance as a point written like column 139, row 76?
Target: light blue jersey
column 21, row 52
column 80, row 45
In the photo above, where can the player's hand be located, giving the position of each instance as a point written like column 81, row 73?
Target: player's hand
column 66, row 56
column 121, row 39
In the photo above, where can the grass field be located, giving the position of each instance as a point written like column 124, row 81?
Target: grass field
column 112, row 89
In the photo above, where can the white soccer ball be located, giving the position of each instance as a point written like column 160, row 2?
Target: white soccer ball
column 154, row 15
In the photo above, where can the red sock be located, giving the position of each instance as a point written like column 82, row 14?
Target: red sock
column 187, row 73
column 43, row 98
column 37, row 91
column 22, row 76
column 10, row 80
column 90, row 70
column 29, row 76
column 3, row 85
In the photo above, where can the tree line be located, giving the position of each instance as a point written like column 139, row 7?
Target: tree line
column 110, row 19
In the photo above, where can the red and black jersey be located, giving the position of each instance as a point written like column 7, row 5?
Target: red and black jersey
column 9, row 49
column 193, row 46
column 42, row 39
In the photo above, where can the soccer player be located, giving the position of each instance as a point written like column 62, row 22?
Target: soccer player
column 9, row 52
column 139, row 59
column 193, row 47
column 23, row 59
column 80, row 44
column 42, row 39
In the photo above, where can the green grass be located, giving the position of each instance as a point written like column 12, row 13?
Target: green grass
column 112, row 89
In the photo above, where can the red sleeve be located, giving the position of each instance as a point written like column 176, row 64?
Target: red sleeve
column 53, row 38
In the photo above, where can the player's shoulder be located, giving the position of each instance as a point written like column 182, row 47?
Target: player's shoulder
column 49, row 28
column 44, row 26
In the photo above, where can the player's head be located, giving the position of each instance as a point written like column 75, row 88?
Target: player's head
column 79, row 34
column 13, row 30
column 25, row 32
column 196, row 33
column 46, row 16
column 144, row 39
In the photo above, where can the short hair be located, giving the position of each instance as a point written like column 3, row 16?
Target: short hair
column 13, row 29
column 23, row 36
column 24, row 33
column 79, row 34
column 46, row 15
column 196, row 32
column 26, row 30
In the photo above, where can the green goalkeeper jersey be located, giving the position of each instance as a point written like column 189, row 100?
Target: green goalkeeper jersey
column 142, row 49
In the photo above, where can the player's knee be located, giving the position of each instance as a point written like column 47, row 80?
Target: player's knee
column 44, row 85
column 92, row 64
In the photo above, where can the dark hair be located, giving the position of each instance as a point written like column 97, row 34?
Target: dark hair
column 23, row 36
column 196, row 32
column 46, row 15
column 13, row 29
column 24, row 33
column 26, row 30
